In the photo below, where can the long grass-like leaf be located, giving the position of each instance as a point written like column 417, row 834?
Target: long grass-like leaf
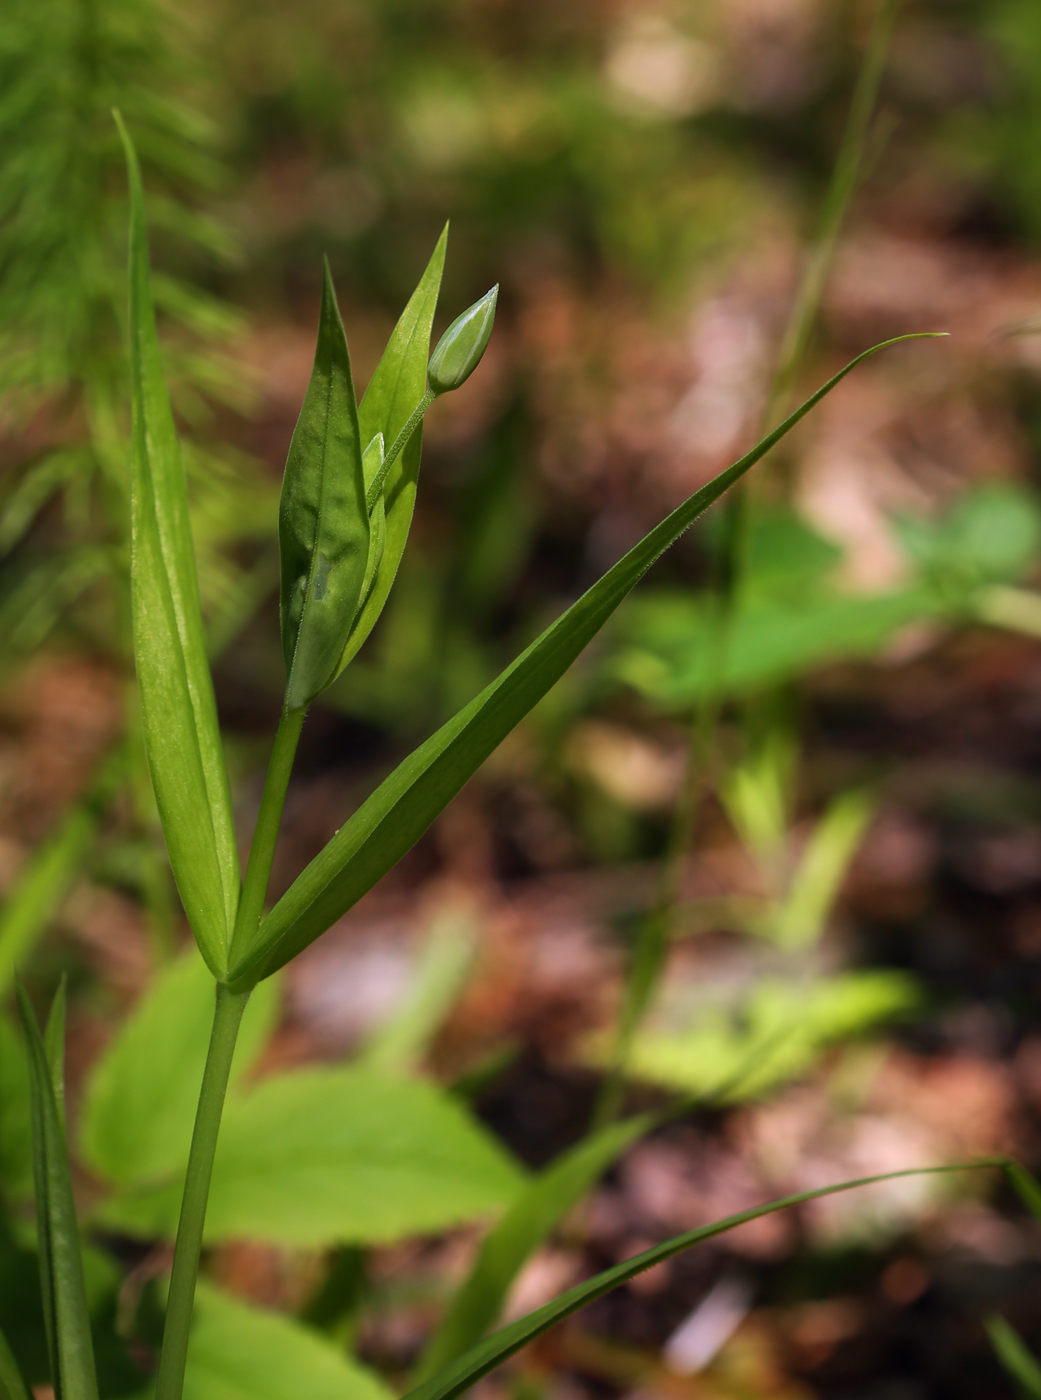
column 528, row 1222
column 61, row 1266
column 402, row 808
column 182, row 736
column 484, row 1357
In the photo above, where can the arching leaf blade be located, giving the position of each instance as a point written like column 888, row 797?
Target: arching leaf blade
column 182, row 735
column 390, row 822
column 489, row 1354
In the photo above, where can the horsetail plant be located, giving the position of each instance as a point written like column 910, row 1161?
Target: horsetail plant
column 346, row 508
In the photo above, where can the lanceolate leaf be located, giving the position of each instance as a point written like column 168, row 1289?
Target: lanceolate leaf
column 182, row 736
column 402, row 808
column 323, row 525
column 61, row 1266
column 394, row 391
column 530, row 1220
column 484, row 1357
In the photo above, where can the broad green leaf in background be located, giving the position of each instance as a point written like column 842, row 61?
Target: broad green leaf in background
column 395, row 389
column 182, row 736
column 16, row 1162
column 402, row 808
column 12, row 1383
column 540, row 1207
column 61, row 1265
column 1015, row 1355
column 323, row 523
column 237, row 1351
column 140, row 1100
column 328, row 1156
column 782, row 1025
column 489, row 1354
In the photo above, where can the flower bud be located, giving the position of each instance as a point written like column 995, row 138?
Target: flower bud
column 459, row 350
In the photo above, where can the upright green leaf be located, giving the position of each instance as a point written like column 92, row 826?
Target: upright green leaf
column 239, row 1351
column 526, row 1225
column 323, row 525
column 139, row 1107
column 337, row 1156
column 484, row 1357
column 402, row 808
column 182, row 737
column 61, row 1265
column 394, row 391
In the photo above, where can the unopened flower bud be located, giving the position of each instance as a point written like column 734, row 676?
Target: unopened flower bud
column 459, row 350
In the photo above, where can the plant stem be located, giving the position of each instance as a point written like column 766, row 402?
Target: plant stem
column 412, row 423
column 269, row 818
column 226, row 1018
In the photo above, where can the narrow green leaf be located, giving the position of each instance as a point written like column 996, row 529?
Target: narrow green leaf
column 12, row 1382
column 530, row 1220
column 394, row 391
column 236, row 1350
column 139, row 1106
column 402, row 808
column 337, row 1156
column 182, row 736
column 1013, row 1353
column 16, row 1157
column 484, row 1357
column 61, row 1264
column 323, row 525
column 54, row 1046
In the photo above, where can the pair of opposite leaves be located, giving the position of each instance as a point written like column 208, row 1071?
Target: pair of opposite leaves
column 332, row 527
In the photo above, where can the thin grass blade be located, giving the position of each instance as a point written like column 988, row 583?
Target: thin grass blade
column 182, row 736
column 54, row 1046
column 390, row 822
column 61, row 1266
column 525, row 1226
column 395, row 389
column 484, row 1357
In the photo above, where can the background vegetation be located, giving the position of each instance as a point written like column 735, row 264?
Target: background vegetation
column 854, row 831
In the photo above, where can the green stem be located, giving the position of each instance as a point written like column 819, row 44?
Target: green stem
column 226, row 1018
column 396, row 448
column 269, row 818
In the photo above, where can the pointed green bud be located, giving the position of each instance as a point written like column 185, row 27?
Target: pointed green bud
column 459, row 350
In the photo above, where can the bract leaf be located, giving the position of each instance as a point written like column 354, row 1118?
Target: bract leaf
column 540, row 1207
column 484, row 1357
column 394, row 390
column 182, row 736
column 139, row 1106
column 402, row 808
column 323, row 525
column 236, row 1350
column 61, row 1265
column 331, row 1156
